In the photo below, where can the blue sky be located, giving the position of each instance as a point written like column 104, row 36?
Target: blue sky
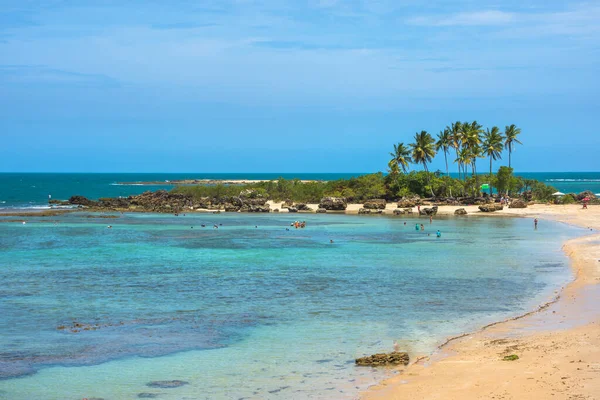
column 290, row 86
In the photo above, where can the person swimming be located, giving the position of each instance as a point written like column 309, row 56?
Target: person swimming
column 438, row 233
column 417, row 227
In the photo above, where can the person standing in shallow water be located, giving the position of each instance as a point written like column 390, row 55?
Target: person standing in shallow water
column 535, row 222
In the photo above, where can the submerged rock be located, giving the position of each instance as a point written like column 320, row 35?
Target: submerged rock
column 321, row 210
column 166, row 384
column 364, row 211
column 147, row 395
column 381, row 359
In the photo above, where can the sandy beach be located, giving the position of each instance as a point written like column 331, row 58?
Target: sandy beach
column 558, row 346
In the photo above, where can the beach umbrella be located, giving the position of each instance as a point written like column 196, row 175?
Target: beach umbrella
column 485, row 186
column 586, row 199
column 558, row 194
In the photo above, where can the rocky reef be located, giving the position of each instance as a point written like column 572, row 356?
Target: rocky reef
column 382, row 359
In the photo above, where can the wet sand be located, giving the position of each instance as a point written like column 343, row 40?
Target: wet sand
column 558, row 346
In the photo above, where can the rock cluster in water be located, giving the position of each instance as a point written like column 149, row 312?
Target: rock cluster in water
column 382, row 359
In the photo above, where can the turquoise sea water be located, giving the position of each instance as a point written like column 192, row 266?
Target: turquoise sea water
column 251, row 310
column 18, row 190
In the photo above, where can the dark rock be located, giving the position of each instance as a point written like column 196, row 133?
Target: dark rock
column 375, row 204
column 517, row 204
column 376, row 360
column 292, row 209
column 429, row 211
column 81, row 201
column 333, row 203
column 585, row 194
column 276, row 210
column 321, row 210
column 364, row 211
column 231, row 207
column 255, row 208
column 147, row 395
column 491, row 207
column 460, row 211
column 166, row 384
column 303, row 207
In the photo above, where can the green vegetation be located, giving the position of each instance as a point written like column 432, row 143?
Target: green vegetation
column 512, row 357
column 469, row 141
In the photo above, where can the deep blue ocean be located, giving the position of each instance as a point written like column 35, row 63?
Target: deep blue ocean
column 31, row 190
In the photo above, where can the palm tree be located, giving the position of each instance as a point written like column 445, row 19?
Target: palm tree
column 463, row 159
column 510, row 139
column 423, row 151
column 492, row 146
column 444, row 143
column 400, row 158
column 472, row 141
column 455, row 135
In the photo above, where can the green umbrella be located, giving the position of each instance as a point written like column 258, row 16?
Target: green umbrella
column 485, row 186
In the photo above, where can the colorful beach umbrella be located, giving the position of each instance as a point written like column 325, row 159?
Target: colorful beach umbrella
column 558, row 194
column 485, row 186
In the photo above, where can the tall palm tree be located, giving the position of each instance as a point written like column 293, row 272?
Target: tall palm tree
column 455, row 129
column 463, row 159
column 492, row 146
column 444, row 143
column 510, row 139
column 472, row 141
column 423, row 151
column 400, row 158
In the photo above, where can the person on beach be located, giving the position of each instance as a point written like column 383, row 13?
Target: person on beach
column 535, row 222
column 418, row 210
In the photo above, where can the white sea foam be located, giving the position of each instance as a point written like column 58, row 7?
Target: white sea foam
column 572, row 180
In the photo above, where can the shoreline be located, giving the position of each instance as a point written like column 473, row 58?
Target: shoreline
column 456, row 368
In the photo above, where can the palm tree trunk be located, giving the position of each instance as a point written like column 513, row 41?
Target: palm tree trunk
column 509, row 153
column 490, row 176
column 446, row 159
column 428, row 180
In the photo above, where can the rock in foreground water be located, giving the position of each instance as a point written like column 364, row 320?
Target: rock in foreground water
column 381, row 359
column 166, row 384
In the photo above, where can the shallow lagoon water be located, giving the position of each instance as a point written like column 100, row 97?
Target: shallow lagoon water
column 251, row 312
